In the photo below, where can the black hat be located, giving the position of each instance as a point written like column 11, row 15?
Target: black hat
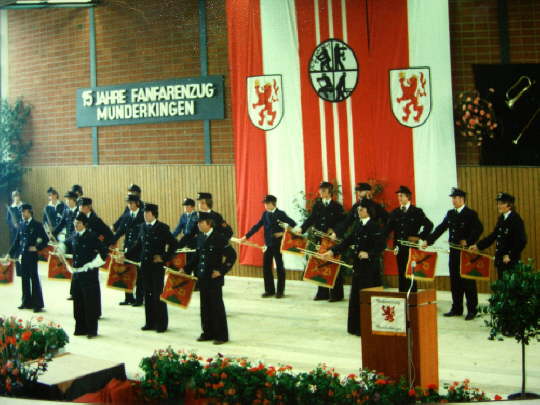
column 404, row 190
column 51, row 190
column 204, row 216
column 26, row 206
column 505, row 197
column 362, row 187
column 270, row 199
column 456, row 192
column 77, row 189
column 189, row 201
column 326, row 184
column 71, row 194
column 133, row 198
column 153, row 208
column 134, row 188
column 81, row 218
column 204, row 196
column 84, row 201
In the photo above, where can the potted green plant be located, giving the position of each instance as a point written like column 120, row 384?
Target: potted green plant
column 514, row 310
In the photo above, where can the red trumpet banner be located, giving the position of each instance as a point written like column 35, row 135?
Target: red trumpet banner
column 178, row 289
column 43, row 254
column 178, row 261
column 474, row 266
column 291, row 243
column 6, row 273
column 424, row 264
column 57, row 269
column 122, row 276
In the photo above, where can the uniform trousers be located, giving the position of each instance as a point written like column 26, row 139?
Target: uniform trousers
column 461, row 286
column 153, row 276
column 273, row 253
column 86, row 301
column 213, row 315
column 32, row 295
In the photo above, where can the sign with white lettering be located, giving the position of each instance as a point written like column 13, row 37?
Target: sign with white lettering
column 195, row 98
column 388, row 316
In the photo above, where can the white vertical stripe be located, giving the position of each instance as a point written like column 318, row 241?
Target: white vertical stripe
column 285, row 143
column 350, row 131
column 322, row 118
column 433, row 142
column 337, row 143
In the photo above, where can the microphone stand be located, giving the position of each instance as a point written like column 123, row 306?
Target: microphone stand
column 410, row 362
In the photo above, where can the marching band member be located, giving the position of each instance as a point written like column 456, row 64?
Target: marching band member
column 369, row 243
column 406, row 222
column 220, row 225
column 464, row 229
column 214, row 258
column 154, row 246
column 135, row 190
column 509, row 235
column 14, row 215
column 187, row 223
column 273, row 234
column 65, row 228
column 53, row 211
column 130, row 228
column 324, row 217
column 31, row 238
column 89, row 254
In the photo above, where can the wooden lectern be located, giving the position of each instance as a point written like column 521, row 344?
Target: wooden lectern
column 387, row 352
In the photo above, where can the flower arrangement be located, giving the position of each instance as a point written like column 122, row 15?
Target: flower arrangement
column 174, row 376
column 474, row 117
column 25, row 349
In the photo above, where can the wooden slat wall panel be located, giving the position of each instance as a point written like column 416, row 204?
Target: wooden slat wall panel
column 168, row 185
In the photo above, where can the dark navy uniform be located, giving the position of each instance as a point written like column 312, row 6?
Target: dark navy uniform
column 407, row 223
column 85, row 246
column 187, row 225
column 153, row 240
column 462, row 225
column 30, row 233
column 273, row 234
column 213, row 253
column 130, row 227
column 366, row 237
column 13, row 219
column 323, row 217
column 52, row 214
column 380, row 216
column 66, row 223
column 125, row 214
column 510, row 239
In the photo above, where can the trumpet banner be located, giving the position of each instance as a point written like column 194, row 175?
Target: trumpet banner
column 473, row 266
column 57, row 270
column 43, row 254
column 178, row 261
column 178, row 289
column 337, row 124
column 290, row 243
column 422, row 263
column 122, row 276
column 6, row 273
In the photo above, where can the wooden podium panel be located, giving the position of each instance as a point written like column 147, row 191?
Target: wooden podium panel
column 388, row 353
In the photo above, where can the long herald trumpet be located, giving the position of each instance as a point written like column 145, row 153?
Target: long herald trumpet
column 286, row 226
column 464, row 249
column 246, row 243
column 418, row 246
column 321, row 234
column 328, row 259
column 138, row 264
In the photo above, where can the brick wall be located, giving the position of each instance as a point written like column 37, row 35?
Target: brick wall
column 135, row 41
column 474, row 37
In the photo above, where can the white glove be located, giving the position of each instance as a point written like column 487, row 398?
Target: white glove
column 396, row 250
column 297, row 229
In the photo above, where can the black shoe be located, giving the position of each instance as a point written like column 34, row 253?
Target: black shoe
column 24, row 307
column 453, row 313
column 69, row 298
column 38, row 310
column 220, row 342
column 267, row 294
column 470, row 316
column 91, row 335
column 279, row 295
column 126, row 303
column 161, row 330
column 335, row 299
column 77, row 333
column 137, row 304
column 203, row 338
column 319, row 299
column 146, row 327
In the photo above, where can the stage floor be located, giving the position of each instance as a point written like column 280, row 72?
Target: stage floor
column 294, row 330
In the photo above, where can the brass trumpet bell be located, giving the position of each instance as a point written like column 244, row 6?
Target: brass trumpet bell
column 527, row 83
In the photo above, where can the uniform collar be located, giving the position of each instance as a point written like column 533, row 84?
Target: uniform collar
column 460, row 209
column 407, row 206
column 134, row 213
column 152, row 223
column 272, row 211
column 54, row 205
column 326, row 201
column 506, row 214
column 28, row 220
column 207, row 234
column 16, row 205
column 81, row 233
column 364, row 220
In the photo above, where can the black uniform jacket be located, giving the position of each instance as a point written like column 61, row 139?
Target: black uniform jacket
column 464, row 225
column 130, row 228
column 509, row 237
column 409, row 223
column 85, row 247
column 324, row 217
column 97, row 225
column 271, row 220
column 68, row 216
column 29, row 235
column 213, row 253
column 379, row 216
column 152, row 240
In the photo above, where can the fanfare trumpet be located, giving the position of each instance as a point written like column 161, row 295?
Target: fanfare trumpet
column 464, row 249
column 326, row 236
column 328, row 259
column 246, row 243
column 511, row 101
column 419, row 246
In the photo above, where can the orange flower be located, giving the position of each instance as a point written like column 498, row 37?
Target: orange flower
column 381, row 382
column 412, row 392
column 26, row 335
column 223, row 376
column 432, row 387
column 497, row 398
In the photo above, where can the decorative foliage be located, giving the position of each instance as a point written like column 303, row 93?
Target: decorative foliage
column 173, row 376
column 21, row 342
column 13, row 118
column 474, row 117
